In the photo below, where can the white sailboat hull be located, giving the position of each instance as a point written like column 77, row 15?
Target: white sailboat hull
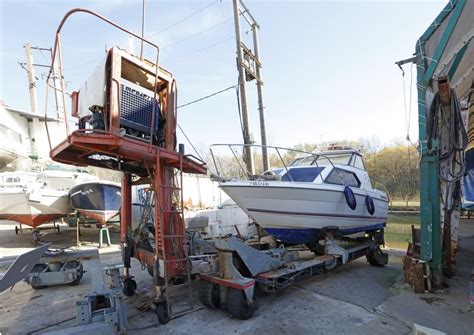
column 297, row 212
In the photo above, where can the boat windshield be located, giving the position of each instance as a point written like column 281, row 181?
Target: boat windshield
column 339, row 159
column 302, row 174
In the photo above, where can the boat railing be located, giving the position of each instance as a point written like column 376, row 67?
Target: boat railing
column 244, row 173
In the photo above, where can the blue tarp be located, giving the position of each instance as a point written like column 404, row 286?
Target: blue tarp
column 468, row 182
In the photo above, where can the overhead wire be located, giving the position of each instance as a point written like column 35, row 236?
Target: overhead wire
column 198, row 33
column 206, row 97
column 199, row 50
column 189, row 141
column 184, row 19
column 199, row 100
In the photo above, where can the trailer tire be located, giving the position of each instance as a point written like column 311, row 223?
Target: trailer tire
column 129, row 287
column 238, row 306
column 162, row 313
column 38, row 287
column 209, row 294
column 377, row 258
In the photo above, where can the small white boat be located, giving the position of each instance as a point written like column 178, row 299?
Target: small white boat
column 32, row 208
column 319, row 192
column 63, row 177
column 25, row 199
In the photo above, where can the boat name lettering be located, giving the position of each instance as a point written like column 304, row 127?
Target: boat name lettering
column 259, row 183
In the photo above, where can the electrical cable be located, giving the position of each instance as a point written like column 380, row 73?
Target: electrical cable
column 193, row 102
column 184, row 19
column 207, row 96
column 199, row 50
column 198, row 33
column 189, row 141
column 237, row 92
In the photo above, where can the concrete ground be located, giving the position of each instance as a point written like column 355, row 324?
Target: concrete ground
column 354, row 299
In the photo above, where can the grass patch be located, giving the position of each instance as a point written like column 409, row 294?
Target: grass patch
column 398, row 230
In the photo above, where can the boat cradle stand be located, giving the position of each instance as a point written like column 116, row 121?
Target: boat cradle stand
column 102, row 311
column 242, row 268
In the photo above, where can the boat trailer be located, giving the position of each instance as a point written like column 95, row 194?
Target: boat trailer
column 243, row 270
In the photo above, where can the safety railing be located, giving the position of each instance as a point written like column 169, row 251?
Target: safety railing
column 244, row 173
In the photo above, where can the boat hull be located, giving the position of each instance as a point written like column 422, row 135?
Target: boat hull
column 33, row 209
column 97, row 200
column 296, row 214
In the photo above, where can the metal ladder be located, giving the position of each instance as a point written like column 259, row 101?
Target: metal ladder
column 177, row 240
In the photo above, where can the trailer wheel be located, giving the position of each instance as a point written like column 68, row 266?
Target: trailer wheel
column 38, row 287
column 238, row 306
column 377, row 258
column 80, row 273
column 209, row 294
column 150, row 270
column 129, row 287
column 162, row 312
column 35, row 284
column 16, row 230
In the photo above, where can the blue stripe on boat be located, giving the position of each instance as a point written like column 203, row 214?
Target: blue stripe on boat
column 308, row 235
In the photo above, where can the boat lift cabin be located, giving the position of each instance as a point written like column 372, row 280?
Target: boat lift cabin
column 127, row 122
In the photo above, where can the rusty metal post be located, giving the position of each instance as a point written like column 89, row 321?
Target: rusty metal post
column 126, row 210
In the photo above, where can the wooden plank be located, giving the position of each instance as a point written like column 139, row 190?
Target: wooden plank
column 408, row 270
column 419, row 277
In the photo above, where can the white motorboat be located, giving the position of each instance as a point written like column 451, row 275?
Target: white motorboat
column 24, row 199
column 64, row 177
column 319, row 192
column 32, row 208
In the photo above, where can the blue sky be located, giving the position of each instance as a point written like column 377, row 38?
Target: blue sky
column 328, row 66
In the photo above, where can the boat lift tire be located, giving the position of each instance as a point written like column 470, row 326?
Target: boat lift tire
column 80, row 273
column 162, row 312
column 238, row 306
column 377, row 258
column 35, row 284
column 209, row 294
column 129, row 287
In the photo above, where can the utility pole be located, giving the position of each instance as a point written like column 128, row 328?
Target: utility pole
column 261, row 108
column 33, row 126
column 248, row 158
column 57, row 91
column 249, row 66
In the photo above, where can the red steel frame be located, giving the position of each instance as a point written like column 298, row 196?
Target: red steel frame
column 151, row 163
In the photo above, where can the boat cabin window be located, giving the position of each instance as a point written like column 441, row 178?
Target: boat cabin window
column 304, row 161
column 342, row 177
column 358, row 162
column 12, row 180
column 303, row 174
column 341, row 159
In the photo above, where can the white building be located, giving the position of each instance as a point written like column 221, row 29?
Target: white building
column 23, row 137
